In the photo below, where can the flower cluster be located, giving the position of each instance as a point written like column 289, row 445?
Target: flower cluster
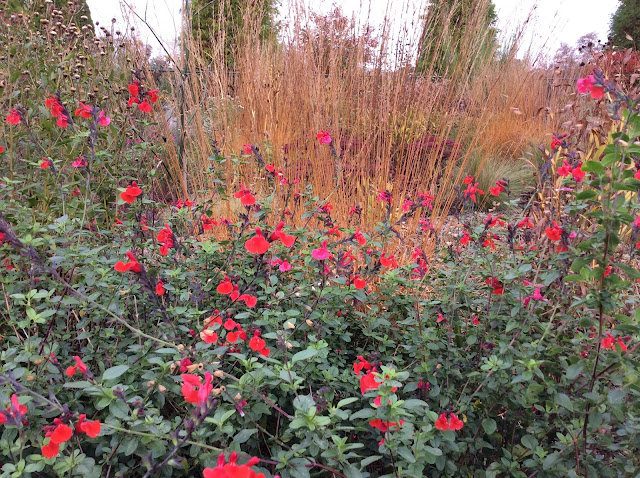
column 142, row 99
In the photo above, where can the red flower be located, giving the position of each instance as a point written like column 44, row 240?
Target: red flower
column 577, row 173
column 61, row 434
column 498, row 287
column 133, row 265
column 526, row 222
column 83, row 110
column 588, row 85
column 323, row 137
column 144, row 107
column 1, row 149
column 131, row 193
column 246, row 149
column 13, row 117
column 465, row 239
column 388, row 261
column 359, row 283
column 565, row 169
column 321, row 253
column 359, row 238
column 555, row 142
column 385, row 196
column 256, row 343
column 225, row 287
column 495, row 191
column 609, row 342
column 50, row 450
column 468, row 179
column 554, row 233
column 103, row 120
column 257, row 244
column 453, row 423
column 361, row 364
column 245, row 196
column 637, row 175
column 472, row 190
column 165, row 237
column 193, row 390
column 160, row 290
column 208, row 337
column 385, row 426
column 368, row 382
column 62, row 121
column 134, row 89
column 91, row 428
column 153, row 95
column 208, row 222
column 45, row 163
column 233, row 470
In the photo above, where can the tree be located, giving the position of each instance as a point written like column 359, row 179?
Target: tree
column 220, row 24
column 335, row 40
column 456, row 29
column 76, row 11
column 625, row 24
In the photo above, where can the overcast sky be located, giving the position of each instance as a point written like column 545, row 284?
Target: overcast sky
column 554, row 21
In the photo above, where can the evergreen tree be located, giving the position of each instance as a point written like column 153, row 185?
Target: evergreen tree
column 453, row 29
column 221, row 23
column 625, row 24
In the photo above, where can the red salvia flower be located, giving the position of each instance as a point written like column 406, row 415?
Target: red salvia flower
column 232, row 469
column 84, row 111
column 133, row 265
column 245, row 196
column 321, row 253
column 13, row 117
column 496, row 285
column 91, row 428
column 565, row 169
column 160, row 290
column 368, row 382
column 194, row 390
column 554, row 232
column 144, row 107
column 131, row 193
column 257, row 244
column 451, row 423
column 134, row 89
column 323, row 137
column 225, row 287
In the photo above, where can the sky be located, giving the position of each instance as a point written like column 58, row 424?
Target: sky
column 552, row 21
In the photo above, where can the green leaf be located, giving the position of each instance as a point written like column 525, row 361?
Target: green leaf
column 346, row 401
column 243, row 435
column 114, row 372
column 489, row 425
column 303, row 355
column 369, row 460
column 529, row 442
column 549, row 461
column 593, row 167
column 564, row 401
column 573, row 371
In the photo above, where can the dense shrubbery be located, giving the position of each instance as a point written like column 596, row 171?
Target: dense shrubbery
column 145, row 339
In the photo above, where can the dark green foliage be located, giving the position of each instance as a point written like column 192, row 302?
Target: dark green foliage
column 625, row 24
column 454, row 29
column 222, row 23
